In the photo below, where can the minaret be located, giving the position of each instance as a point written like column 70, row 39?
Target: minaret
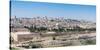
column 14, row 17
column 46, row 18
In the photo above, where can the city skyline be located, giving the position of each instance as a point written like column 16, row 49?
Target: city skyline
column 33, row 9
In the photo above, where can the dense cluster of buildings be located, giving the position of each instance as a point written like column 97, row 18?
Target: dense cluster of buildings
column 50, row 23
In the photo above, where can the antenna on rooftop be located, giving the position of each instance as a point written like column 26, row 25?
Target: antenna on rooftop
column 15, row 17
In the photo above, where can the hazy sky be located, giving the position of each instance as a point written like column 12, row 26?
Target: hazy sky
column 34, row 9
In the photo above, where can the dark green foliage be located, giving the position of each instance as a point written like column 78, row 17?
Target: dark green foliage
column 14, row 49
column 88, row 42
column 77, row 28
column 34, row 28
column 58, row 30
column 41, row 28
column 52, row 20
